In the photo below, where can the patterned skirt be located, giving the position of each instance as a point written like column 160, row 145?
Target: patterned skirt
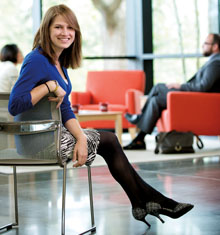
column 68, row 142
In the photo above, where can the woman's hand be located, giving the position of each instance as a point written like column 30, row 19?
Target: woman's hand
column 80, row 152
column 58, row 91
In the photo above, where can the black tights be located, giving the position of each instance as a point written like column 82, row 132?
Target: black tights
column 138, row 191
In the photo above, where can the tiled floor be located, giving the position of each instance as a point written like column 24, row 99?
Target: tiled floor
column 195, row 181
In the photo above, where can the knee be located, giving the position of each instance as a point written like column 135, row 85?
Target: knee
column 111, row 137
column 155, row 91
column 108, row 140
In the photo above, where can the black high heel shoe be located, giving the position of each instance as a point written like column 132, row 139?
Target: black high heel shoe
column 155, row 209
column 178, row 211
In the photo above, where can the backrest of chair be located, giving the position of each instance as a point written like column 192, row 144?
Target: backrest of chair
column 32, row 137
column 111, row 86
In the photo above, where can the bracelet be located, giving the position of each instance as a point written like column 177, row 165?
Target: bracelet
column 47, row 87
column 57, row 85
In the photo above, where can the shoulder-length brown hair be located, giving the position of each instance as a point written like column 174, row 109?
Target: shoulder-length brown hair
column 71, row 56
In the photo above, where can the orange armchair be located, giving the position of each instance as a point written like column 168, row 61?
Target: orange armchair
column 120, row 89
column 198, row 112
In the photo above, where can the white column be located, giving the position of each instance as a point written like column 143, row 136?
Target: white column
column 134, row 26
column 36, row 15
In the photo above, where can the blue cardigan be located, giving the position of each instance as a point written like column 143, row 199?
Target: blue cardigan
column 36, row 69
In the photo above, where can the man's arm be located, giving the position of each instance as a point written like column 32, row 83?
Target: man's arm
column 205, row 79
column 178, row 85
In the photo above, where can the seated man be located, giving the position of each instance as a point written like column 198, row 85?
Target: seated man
column 207, row 79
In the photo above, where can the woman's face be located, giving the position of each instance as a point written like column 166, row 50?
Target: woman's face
column 62, row 34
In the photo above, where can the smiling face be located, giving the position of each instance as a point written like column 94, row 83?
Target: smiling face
column 62, row 35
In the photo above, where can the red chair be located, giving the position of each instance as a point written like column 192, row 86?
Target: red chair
column 120, row 89
column 198, row 112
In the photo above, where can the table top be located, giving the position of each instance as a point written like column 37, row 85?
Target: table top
column 96, row 112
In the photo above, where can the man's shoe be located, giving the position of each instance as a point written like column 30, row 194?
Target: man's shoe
column 135, row 145
column 132, row 118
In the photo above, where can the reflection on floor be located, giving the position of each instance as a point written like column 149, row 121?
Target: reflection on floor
column 191, row 180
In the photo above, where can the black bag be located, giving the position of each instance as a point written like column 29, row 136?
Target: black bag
column 176, row 142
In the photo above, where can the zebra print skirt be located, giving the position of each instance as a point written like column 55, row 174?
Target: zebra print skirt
column 68, row 143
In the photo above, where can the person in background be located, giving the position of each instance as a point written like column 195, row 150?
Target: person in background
column 10, row 56
column 57, row 46
column 207, row 79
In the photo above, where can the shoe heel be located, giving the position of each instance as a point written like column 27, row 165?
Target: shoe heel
column 158, row 216
column 145, row 221
column 153, row 208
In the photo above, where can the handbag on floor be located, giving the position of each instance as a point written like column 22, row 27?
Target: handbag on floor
column 176, row 142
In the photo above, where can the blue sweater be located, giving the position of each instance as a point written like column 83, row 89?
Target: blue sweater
column 36, row 69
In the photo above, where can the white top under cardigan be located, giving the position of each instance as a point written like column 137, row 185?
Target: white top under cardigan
column 8, row 76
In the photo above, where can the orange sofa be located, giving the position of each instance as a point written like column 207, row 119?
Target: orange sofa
column 198, row 112
column 120, row 89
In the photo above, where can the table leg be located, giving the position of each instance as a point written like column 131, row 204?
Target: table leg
column 118, row 127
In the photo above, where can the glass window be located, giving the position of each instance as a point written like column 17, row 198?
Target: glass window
column 16, row 24
column 180, row 27
column 171, row 70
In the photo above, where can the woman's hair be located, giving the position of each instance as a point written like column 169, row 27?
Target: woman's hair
column 71, row 56
column 9, row 53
